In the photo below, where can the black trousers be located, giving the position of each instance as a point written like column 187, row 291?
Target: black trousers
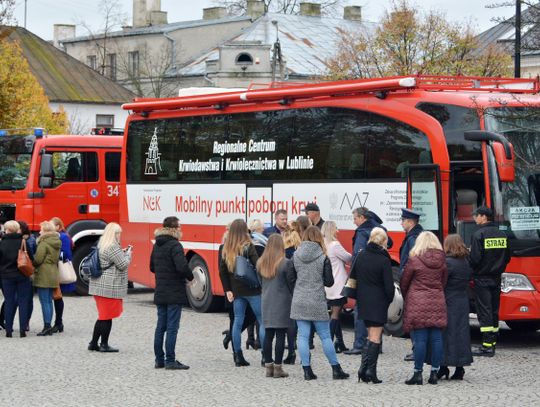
column 280, row 334
column 488, row 297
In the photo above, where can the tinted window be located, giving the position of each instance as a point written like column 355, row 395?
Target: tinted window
column 309, row 144
column 112, row 167
column 70, row 166
column 455, row 120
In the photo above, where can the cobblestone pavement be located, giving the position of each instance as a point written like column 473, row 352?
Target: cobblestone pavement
column 59, row 371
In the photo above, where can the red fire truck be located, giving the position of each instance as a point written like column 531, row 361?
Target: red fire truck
column 441, row 145
column 73, row 177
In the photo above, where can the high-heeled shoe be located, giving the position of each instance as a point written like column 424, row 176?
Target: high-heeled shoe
column 340, row 347
column 253, row 343
column 226, row 339
column 415, row 379
column 290, row 359
column 443, row 371
column 458, row 374
column 57, row 328
column 433, row 377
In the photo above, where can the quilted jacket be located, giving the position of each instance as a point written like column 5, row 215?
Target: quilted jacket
column 422, row 285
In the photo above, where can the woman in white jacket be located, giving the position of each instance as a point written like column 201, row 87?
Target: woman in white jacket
column 338, row 257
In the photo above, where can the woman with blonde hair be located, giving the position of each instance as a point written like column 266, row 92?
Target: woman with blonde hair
column 422, row 285
column 46, row 274
column 277, row 287
column 291, row 239
column 457, row 335
column 238, row 243
column 338, row 258
column 313, row 272
column 372, row 272
column 110, row 288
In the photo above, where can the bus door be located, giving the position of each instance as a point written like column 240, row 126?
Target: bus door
column 68, row 184
column 259, row 204
column 424, row 196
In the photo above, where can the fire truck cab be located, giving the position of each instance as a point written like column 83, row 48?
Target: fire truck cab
column 73, row 177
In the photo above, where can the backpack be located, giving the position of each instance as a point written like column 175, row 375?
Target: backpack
column 90, row 266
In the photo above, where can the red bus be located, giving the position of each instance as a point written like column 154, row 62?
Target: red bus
column 73, row 177
column 441, row 145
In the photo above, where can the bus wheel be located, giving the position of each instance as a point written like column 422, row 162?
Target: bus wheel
column 394, row 325
column 80, row 253
column 199, row 292
column 523, row 326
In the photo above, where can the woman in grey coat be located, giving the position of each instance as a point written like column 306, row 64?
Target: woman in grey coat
column 277, row 287
column 313, row 272
column 111, row 287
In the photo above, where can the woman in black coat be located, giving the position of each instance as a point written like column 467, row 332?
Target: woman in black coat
column 374, row 292
column 457, row 336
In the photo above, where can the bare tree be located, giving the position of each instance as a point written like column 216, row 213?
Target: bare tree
column 239, row 7
column 6, row 12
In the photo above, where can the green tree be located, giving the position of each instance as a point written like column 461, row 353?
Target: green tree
column 23, row 102
column 407, row 42
column 6, row 11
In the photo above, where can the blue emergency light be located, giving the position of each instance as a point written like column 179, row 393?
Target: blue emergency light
column 3, row 133
column 38, row 132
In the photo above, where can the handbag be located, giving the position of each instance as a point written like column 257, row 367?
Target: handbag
column 66, row 272
column 24, row 264
column 246, row 272
column 349, row 289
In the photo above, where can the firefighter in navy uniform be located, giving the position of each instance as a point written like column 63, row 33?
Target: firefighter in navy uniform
column 489, row 257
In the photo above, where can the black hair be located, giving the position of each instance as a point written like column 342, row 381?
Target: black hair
column 171, row 222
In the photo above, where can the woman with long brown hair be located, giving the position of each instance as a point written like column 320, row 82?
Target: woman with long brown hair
column 457, row 335
column 238, row 243
column 313, row 272
column 277, row 286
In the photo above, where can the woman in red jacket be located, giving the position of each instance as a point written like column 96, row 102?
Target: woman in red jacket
column 422, row 285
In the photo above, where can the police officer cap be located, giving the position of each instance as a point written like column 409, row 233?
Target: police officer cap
column 483, row 210
column 409, row 214
column 312, row 206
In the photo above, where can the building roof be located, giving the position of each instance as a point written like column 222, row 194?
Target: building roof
column 64, row 78
column 158, row 29
column 306, row 42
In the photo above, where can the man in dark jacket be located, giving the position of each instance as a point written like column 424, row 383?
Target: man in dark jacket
column 314, row 214
column 170, row 266
column 280, row 224
column 409, row 222
column 489, row 257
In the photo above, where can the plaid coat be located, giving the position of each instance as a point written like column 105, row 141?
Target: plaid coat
column 114, row 280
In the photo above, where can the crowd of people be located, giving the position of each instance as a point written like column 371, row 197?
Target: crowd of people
column 287, row 282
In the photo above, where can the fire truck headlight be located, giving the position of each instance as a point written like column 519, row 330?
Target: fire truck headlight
column 515, row 282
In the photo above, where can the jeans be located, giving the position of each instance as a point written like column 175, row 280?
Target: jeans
column 168, row 321
column 323, row 330
column 360, row 331
column 46, row 300
column 422, row 337
column 17, row 292
column 239, row 306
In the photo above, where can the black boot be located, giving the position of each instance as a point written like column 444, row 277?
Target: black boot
column 415, row 379
column 372, row 358
column 458, row 374
column 58, row 328
column 308, row 373
column 338, row 373
column 433, row 377
column 363, row 366
column 47, row 330
column 340, row 344
column 291, row 358
column 239, row 360
column 443, row 371
column 226, row 338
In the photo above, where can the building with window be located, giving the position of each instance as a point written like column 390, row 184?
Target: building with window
column 156, row 59
column 89, row 99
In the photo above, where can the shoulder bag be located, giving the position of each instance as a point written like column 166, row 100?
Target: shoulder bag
column 66, row 272
column 24, row 264
column 246, row 272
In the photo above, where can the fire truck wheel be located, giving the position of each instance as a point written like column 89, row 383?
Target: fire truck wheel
column 80, row 253
column 199, row 292
column 523, row 326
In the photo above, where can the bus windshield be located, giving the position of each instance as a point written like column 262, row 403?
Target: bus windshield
column 15, row 157
column 521, row 198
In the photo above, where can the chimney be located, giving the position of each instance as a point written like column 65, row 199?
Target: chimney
column 353, row 13
column 139, row 13
column 214, row 13
column 255, row 9
column 310, row 9
column 157, row 17
column 62, row 32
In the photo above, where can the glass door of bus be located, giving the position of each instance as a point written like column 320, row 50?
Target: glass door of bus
column 424, row 196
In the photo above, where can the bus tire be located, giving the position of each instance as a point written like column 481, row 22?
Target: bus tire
column 523, row 326
column 80, row 252
column 199, row 293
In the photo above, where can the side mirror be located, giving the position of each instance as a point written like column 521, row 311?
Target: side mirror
column 46, row 171
column 502, row 150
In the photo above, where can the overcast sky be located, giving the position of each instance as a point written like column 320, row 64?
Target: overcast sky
column 42, row 14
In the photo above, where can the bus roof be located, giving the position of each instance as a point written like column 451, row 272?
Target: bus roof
column 378, row 86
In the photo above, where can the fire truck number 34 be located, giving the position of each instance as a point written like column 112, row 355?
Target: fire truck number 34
column 112, row 190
